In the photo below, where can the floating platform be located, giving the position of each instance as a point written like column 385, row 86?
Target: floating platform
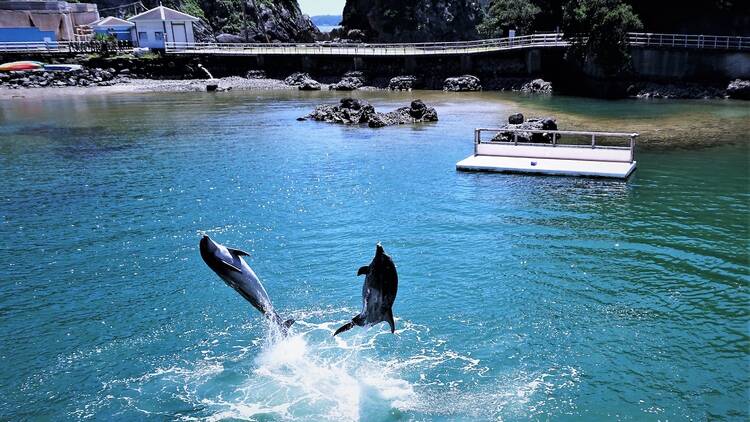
column 553, row 158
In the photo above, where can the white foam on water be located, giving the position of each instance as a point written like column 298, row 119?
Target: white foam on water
column 313, row 376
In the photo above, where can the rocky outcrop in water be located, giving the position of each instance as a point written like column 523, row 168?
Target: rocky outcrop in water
column 356, row 111
column 417, row 112
column 647, row 90
column 79, row 78
column 537, row 86
column 516, row 121
column 303, row 81
column 413, row 21
column 462, row 83
column 402, row 83
column 739, row 89
column 350, row 82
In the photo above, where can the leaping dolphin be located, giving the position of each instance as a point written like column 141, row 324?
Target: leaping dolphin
column 378, row 292
column 228, row 264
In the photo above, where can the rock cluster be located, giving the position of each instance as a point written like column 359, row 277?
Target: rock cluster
column 350, row 82
column 462, row 83
column 356, row 111
column 402, row 83
column 416, row 112
column 537, row 86
column 739, row 89
column 681, row 91
column 516, row 121
column 38, row 79
column 303, row 81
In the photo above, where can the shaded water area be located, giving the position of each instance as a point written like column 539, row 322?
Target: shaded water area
column 521, row 297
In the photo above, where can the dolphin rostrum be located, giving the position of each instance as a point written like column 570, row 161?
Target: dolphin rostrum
column 378, row 292
column 228, row 264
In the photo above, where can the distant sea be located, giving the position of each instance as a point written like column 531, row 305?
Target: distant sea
column 326, row 23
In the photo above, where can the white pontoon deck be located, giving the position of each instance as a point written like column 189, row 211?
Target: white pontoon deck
column 569, row 158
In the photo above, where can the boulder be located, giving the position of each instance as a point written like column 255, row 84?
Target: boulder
column 462, row 83
column 255, row 74
column 309, row 85
column 297, row 79
column 537, row 86
column 402, row 83
column 515, row 119
column 347, row 83
column 230, row 38
column 212, row 87
column 538, row 123
column 739, row 89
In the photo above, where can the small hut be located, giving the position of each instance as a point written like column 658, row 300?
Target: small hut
column 161, row 24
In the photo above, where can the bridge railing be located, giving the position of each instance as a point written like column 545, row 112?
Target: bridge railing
column 719, row 42
column 90, row 46
column 363, row 49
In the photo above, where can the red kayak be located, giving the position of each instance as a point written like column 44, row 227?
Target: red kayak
column 22, row 65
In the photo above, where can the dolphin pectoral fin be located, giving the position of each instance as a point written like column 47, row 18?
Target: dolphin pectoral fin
column 288, row 323
column 390, row 321
column 363, row 270
column 238, row 252
column 346, row 327
column 230, row 266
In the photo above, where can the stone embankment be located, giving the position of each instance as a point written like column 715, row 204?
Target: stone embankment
column 78, row 78
column 353, row 111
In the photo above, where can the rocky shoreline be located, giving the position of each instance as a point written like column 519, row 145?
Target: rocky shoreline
column 87, row 78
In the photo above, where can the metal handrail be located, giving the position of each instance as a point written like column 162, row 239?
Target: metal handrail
column 555, row 136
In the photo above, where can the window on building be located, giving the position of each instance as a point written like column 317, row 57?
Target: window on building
column 158, row 36
column 143, row 36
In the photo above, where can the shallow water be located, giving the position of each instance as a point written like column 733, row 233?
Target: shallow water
column 520, row 297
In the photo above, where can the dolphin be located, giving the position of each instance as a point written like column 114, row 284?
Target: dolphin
column 378, row 292
column 228, row 264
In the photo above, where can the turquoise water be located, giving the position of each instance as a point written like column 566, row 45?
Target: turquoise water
column 520, row 298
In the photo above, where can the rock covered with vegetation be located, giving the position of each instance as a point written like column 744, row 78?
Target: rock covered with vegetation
column 79, row 78
column 462, row 83
column 354, row 111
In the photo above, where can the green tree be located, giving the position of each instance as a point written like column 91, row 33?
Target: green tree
column 598, row 30
column 508, row 14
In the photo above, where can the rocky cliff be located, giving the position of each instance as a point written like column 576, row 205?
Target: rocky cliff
column 414, row 21
column 237, row 20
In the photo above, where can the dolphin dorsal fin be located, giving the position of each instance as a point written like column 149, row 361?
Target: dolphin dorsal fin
column 238, row 252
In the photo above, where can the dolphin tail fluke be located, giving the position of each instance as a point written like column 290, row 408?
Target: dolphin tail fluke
column 346, row 327
column 391, row 322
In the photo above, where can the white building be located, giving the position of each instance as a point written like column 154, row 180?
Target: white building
column 161, row 24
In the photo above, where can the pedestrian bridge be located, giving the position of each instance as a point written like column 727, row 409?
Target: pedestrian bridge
column 541, row 40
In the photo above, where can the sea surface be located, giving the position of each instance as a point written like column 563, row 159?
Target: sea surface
column 520, row 297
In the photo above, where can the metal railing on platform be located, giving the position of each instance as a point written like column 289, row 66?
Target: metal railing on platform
column 551, row 138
